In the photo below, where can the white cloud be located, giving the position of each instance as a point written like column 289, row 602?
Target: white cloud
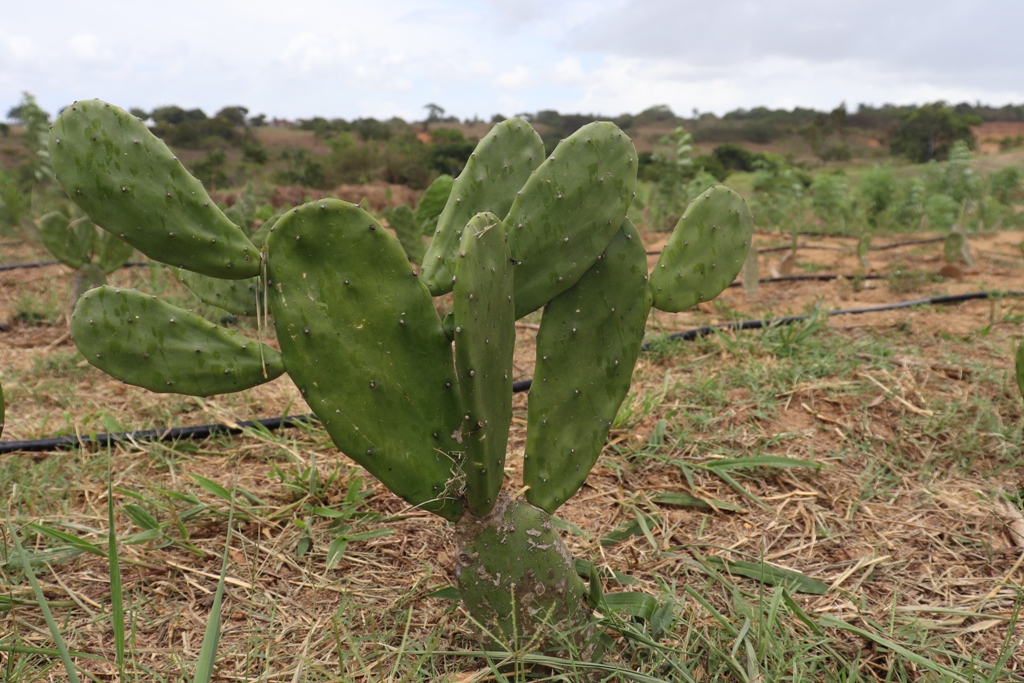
column 86, row 48
column 516, row 79
column 18, row 48
column 600, row 56
column 569, row 71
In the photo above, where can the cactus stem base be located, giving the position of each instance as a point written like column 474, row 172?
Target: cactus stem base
column 519, row 584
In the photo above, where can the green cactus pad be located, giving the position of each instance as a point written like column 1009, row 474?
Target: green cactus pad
column 70, row 241
column 705, row 252
column 432, row 203
column 89, row 276
column 362, row 341
column 485, row 337
column 519, row 582
column 588, row 343
column 401, row 220
column 501, row 163
column 111, row 251
column 260, row 235
column 130, row 183
column 568, row 212
column 953, row 247
column 448, row 323
column 863, row 247
column 142, row 340
column 237, row 297
column 1019, row 367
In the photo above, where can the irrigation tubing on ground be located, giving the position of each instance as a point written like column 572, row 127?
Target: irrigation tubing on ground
column 43, row 264
column 881, row 247
column 170, row 434
column 652, row 252
column 688, row 335
column 203, row 431
column 821, row 277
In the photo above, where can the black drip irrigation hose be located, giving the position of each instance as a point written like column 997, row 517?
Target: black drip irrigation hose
column 650, row 252
column 274, row 423
column 787, row 247
column 170, row 434
column 688, row 335
column 820, row 277
column 43, row 264
column 908, row 243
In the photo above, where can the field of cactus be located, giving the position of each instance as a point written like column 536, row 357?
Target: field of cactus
column 834, row 499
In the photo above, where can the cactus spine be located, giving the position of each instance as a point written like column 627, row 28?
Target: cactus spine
column 361, row 339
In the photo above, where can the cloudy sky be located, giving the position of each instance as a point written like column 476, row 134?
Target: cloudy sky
column 302, row 58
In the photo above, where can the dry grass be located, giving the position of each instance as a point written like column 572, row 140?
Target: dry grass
column 912, row 516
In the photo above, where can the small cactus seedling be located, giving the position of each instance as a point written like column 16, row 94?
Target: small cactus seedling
column 1020, row 368
column 863, row 247
column 362, row 341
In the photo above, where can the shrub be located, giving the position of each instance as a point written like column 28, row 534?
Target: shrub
column 928, row 132
column 879, row 190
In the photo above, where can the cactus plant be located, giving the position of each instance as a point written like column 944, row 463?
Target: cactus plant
column 1019, row 368
column 76, row 244
column 432, row 203
column 362, row 341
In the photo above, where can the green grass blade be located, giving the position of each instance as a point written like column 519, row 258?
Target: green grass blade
column 924, row 662
column 770, row 574
column 632, row 603
column 116, row 594
column 211, row 639
column 686, row 500
column 72, row 540
column 800, row 614
column 759, row 461
column 62, row 647
column 629, row 529
column 447, row 593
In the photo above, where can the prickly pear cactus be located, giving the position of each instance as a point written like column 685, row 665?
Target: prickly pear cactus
column 403, row 222
column 502, row 161
column 587, row 345
column 76, row 244
column 485, row 337
column 422, row 401
column 127, row 181
column 432, row 203
column 568, row 211
column 145, row 341
column 863, row 247
column 705, row 251
column 513, row 605
column 1020, row 368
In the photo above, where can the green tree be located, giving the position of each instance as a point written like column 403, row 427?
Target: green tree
column 235, row 114
column 928, row 132
column 36, row 170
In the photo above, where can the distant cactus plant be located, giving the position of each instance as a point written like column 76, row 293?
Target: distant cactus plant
column 77, row 244
column 362, row 341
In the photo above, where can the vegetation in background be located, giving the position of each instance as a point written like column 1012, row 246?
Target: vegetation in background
column 929, row 132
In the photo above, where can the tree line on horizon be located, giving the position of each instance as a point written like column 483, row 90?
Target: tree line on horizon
column 395, row 151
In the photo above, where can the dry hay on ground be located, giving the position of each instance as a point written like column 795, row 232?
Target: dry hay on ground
column 900, row 532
